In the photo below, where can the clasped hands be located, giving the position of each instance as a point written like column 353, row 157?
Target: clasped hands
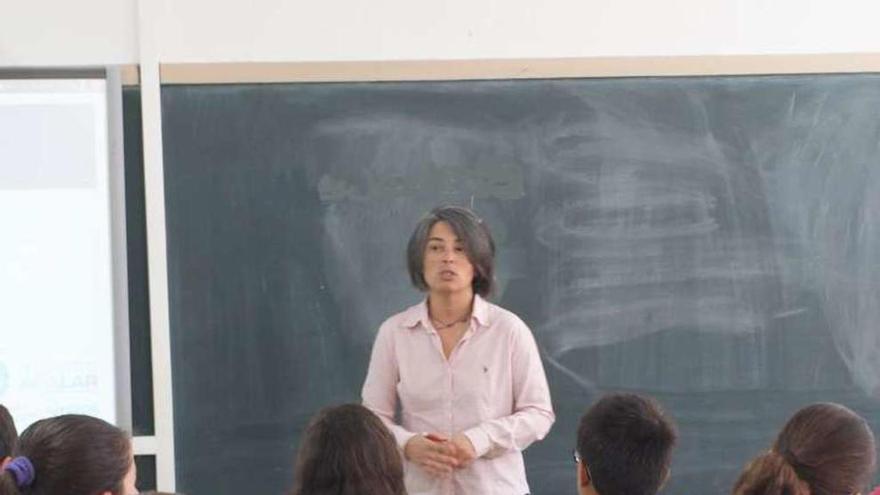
column 438, row 454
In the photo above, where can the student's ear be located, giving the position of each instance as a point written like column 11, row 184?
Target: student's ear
column 665, row 478
column 583, row 476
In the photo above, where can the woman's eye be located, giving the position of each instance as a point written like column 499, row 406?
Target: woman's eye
column 434, row 248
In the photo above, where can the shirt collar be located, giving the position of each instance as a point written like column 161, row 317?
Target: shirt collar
column 415, row 315
column 419, row 313
column 481, row 311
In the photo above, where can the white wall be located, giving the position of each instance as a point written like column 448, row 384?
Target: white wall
column 96, row 32
column 278, row 30
column 67, row 33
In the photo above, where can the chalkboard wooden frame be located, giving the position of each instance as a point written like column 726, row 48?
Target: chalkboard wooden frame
column 560, row 68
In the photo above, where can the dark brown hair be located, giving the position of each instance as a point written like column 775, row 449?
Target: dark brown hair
column 824, row 449
column 346, row 450
column 8, row 433
column 474, row 236
column 626, row 441
column 72, row 455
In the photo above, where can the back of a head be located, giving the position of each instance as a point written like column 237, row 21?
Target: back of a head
column 770, row 474
column 8, row 434
column 824, row 449
column 72, row 455
column 626, row 441
column 346, row 450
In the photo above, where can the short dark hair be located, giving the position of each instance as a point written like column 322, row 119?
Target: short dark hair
column 8, row 433
column 626, row 441
column 475, row 237
column 347, row 450
column 824, row 449
column 73, row 455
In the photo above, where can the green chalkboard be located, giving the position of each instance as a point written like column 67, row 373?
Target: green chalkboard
column 714, row 242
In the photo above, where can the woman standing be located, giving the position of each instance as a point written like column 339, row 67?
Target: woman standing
column 465, row 373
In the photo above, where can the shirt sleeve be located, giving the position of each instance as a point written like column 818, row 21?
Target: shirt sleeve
column 379, row 393
column 532, row 410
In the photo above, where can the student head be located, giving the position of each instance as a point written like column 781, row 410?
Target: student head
column 71, row 455
column 8, row 436
column 824, row 449
column 346, row 450
column 474, row 240
column 624, row 447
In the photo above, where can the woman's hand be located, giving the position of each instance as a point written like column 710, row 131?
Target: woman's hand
column 432, row 452
column 464, row 449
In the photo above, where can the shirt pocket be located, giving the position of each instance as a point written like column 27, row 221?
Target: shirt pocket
column 477, row 390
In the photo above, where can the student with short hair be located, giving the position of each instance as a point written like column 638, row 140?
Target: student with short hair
column 824, row 449
column 71, row 455
column 624, row 447
column 347, row 450
column 8, row 436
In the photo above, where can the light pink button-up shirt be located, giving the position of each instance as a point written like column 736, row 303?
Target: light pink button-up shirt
column 492, row 388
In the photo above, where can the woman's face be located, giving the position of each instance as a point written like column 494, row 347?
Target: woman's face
column 446, row 267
